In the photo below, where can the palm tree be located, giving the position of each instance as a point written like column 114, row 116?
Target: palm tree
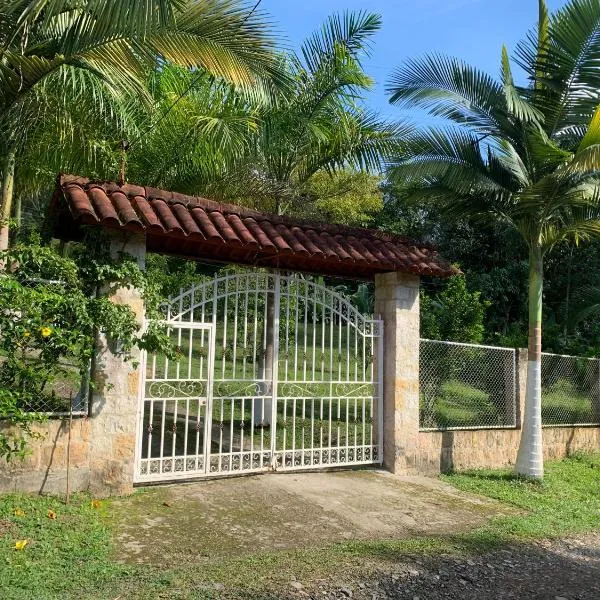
column 528, row 157
column 50, row 45
column 320, row 125
column 202, row 126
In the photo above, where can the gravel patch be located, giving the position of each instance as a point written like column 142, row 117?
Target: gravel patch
column 558, row 570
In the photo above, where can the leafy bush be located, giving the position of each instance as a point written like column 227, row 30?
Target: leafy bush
column 52, row 313
column 457, row 404
column 564, row 404
column 455, row 314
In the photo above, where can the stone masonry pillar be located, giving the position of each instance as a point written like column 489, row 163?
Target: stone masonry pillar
column 397, row 303
column 115, row 399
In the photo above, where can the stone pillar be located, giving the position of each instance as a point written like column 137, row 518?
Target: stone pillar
column 397, row 303
column 115, row 399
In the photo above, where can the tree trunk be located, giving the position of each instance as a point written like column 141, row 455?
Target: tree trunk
column 8, row 184
column 263, row 405
column 530, row 458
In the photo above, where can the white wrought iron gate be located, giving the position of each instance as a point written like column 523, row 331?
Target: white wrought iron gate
column 273, row 372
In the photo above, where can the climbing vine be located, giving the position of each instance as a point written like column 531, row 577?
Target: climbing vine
column 55, row 301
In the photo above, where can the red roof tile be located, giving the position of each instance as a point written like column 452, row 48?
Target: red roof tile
column 198, row 228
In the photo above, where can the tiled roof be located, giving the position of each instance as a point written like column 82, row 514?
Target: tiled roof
column 203, row 229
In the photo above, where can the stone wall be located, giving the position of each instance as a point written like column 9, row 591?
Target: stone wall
column 44, row 470
column 102, row 445
column 440, row 451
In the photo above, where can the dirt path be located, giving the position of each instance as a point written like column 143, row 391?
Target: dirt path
column 249, row 515
column 559, row 570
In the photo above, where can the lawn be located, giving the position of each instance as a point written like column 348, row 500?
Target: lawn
column 71, row 556
column 564, row 404
column 456, row 404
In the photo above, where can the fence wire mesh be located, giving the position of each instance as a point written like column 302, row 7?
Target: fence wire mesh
column 466, row 386
column 67, row 387
column 58, row 389
column 570, row 390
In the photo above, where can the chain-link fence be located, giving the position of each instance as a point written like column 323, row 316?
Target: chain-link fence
column 466, row 386
column 66, row 388
column 570, row 390
column 55, row 390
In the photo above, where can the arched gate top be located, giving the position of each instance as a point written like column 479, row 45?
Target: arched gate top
column 185, row 306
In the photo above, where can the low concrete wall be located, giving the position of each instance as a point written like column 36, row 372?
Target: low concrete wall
column 44, row 470
column 440, row 451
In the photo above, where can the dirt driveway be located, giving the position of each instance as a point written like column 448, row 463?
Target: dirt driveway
column 248, row 515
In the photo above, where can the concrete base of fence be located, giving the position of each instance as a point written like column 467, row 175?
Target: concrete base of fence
column 44, row 470
column 442, row 451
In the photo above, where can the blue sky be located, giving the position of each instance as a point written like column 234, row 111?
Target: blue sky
column 470, row 29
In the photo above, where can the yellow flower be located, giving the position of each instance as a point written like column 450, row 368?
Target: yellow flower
column 20, row 544
column 26, row 334
column 46, row 331
column 95, row 503
column 19, row 512
column 51, row 514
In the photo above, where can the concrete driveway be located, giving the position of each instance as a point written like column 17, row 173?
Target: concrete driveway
column 248, row 515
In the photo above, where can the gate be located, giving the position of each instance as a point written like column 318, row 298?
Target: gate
column 272, row 372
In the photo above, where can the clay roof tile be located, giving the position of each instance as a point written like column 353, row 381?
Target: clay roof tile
column 195, row 226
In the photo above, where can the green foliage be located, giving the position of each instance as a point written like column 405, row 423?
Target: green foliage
column 321, row 126
column 200, row 127
column 461, row 405
column 455, row 314
column 168, row 275
column 49, row 331
column 346, row 197
column 567, row 502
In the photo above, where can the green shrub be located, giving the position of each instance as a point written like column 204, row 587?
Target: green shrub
column 564, row 404
column 457, row 404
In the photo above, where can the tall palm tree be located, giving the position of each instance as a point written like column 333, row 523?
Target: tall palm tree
column 202, row 126
column 528, row 156
column 50, row 44
column 321, row 124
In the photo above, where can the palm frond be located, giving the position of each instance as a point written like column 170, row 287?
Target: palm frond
column 348, row 31
column 564, row 66
column 516, row 102
column 449, row 88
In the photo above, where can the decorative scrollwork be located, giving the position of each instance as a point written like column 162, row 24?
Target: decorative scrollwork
column 175, row 389
column 352, row 389
column 228, row 389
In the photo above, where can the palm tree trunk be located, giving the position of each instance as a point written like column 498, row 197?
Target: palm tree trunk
column 8, row 184
column 530, row 458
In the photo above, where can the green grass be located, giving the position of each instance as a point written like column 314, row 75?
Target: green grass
column 564, row 404
column 457, row 404
column 567, row 501
column 66, row 557
column 71, row 557
column 340, row 356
